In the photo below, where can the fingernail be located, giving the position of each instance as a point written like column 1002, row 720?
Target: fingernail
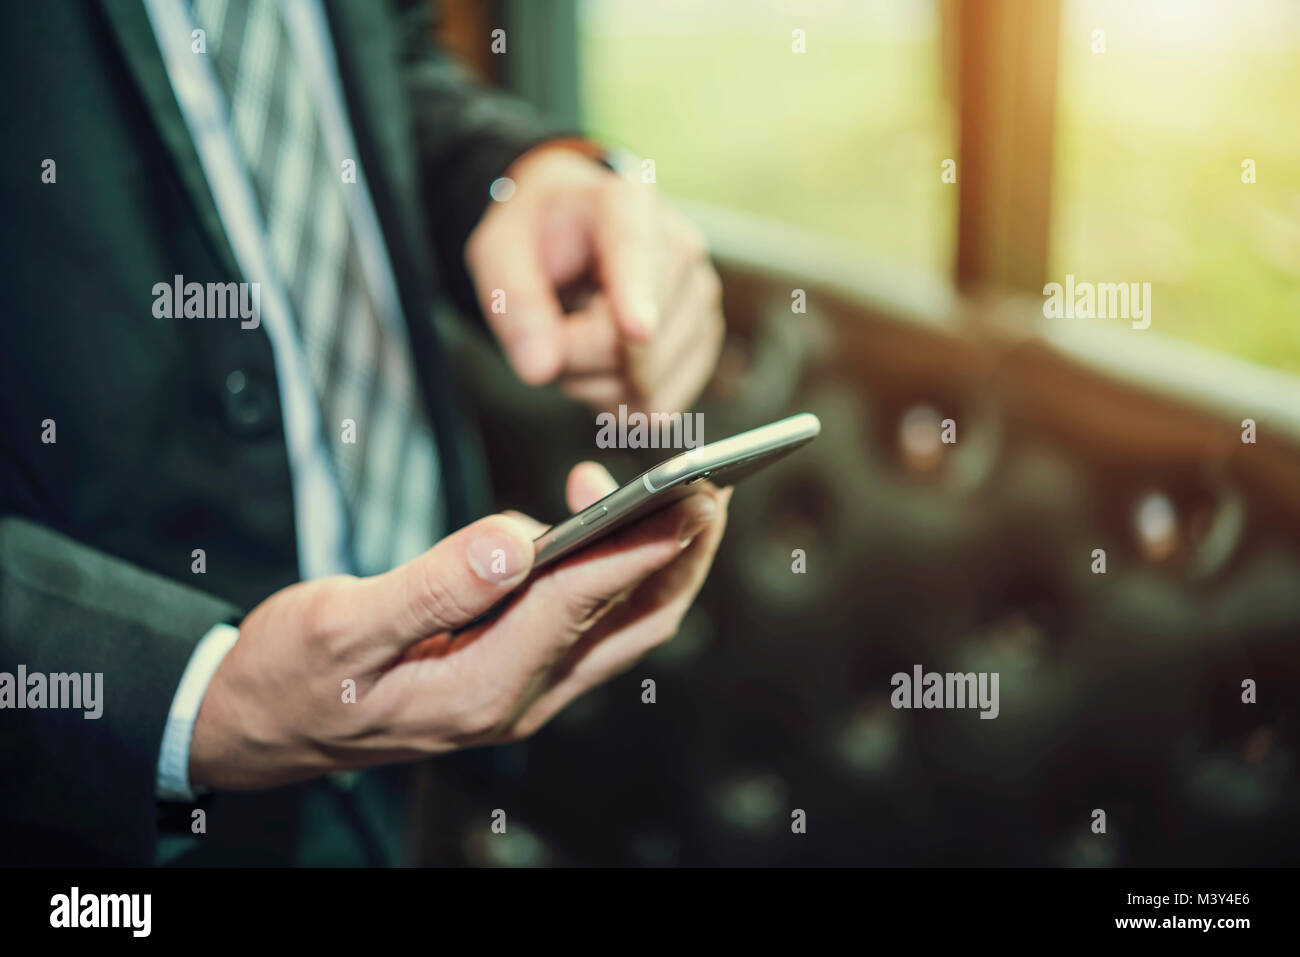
column 701, row 514
column 499, row 559
column 645, row 313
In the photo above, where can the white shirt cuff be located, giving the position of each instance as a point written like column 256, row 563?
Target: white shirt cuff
column 174, row 757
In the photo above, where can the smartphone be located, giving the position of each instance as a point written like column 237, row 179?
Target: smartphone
column 724, row 462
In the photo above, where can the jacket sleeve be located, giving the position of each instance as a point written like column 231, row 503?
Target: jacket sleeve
column 467, row 135
column 80, row 789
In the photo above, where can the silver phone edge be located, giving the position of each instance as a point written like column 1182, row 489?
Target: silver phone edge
column 775, row 435
column 793, row 430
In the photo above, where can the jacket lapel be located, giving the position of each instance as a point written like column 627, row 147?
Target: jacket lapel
column 129, row 22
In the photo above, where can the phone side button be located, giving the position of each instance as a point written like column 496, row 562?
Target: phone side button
column 595, row 516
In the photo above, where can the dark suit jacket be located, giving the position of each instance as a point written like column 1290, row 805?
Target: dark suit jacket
column 153, row 456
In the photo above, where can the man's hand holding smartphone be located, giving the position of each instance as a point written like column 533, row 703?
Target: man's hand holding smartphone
column 429, row 675
column 275, row 711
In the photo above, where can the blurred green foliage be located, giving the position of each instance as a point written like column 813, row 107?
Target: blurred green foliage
column 842, row 139
column 1151, row 138
column 848, row 138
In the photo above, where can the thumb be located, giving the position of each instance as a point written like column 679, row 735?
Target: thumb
column 518, row 300
column 452, row 583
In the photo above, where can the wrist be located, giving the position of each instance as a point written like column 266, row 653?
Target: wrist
column 236, row 745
